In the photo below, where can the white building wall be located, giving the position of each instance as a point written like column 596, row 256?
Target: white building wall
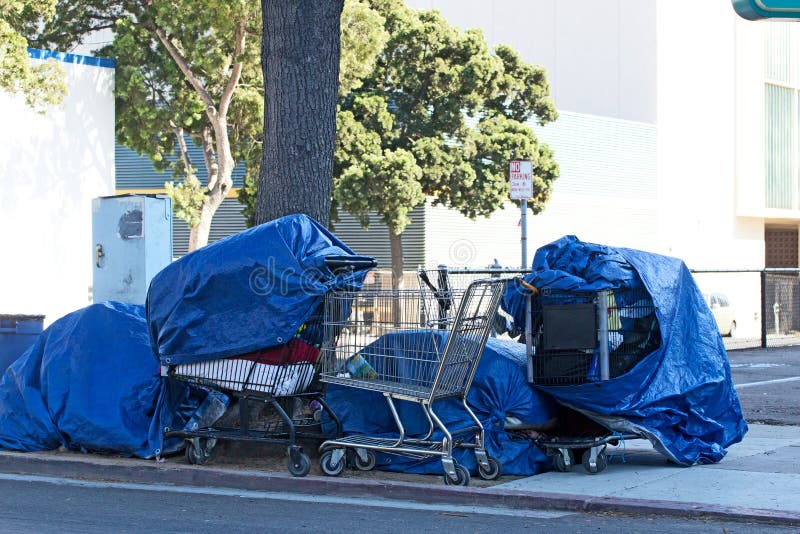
column 750, row 120
column 599, row 56
column 606, row 193
column 702, row 84
column 53, row 165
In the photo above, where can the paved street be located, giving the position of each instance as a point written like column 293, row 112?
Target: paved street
column 768, row 384
column 34, row 504
column 759, row 479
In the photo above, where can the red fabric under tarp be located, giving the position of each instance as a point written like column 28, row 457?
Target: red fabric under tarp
column 295, row 351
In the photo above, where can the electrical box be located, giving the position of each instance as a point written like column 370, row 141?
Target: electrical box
column 132, row 241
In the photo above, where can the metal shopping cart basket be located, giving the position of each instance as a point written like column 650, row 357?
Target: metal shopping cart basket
column 580, row 337
column 409, row 351
column 282, row 379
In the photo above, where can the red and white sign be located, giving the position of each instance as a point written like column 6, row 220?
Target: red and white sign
column 521, row 178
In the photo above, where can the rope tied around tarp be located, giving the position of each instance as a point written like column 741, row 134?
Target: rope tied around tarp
column 621, row 440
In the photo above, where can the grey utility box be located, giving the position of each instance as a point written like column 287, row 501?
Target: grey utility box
column 132, row 241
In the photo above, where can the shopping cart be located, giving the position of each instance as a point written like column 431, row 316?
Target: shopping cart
column 280, row 381
column 411, row 349
column 580, row 337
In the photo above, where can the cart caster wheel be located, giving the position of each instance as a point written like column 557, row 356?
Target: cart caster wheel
column 365, row 465
column 301, row 467
column 462, row 477
column 600, row 463
column 326, row 464
column 201, row 450
column 492, row 472
column 563, row 463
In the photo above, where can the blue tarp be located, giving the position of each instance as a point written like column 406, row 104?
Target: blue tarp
column 246, row 292
column 91, row 382
column 680, row 396
column 499, row 389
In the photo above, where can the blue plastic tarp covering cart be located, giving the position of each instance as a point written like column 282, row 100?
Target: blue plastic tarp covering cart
column 249, row 291
column 680, row 396
column 91, row 381
column 500, row 389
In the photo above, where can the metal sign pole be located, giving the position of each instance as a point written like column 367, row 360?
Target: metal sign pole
column 523, row 204
column 520, row 177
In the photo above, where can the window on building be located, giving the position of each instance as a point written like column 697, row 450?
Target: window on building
column 782, row 87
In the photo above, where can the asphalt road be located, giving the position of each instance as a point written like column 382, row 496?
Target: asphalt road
column 768, row 384
column 40, row 505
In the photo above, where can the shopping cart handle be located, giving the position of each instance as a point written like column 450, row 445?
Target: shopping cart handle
column 350, row 263
column 528, row 286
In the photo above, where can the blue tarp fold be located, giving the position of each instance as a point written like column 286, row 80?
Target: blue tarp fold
column 91, row 381
column 681, row 396
column 499, row 389
column 246, row 292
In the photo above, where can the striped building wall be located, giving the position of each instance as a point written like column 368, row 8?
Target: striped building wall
column 135, row 174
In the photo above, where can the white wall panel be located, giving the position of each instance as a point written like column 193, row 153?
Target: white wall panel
column 53, row 165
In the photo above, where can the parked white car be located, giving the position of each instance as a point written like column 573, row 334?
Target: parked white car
column 724, row 313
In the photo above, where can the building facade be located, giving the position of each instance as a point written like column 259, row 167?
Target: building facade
column 53, row 165
column 678, row 134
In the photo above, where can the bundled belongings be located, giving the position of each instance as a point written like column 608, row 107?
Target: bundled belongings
column 499, row 394
column 422, row 351
column 243, row 316
column 625, row 338
column 90, row 383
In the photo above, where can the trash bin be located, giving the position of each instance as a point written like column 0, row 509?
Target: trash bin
column 17, row 333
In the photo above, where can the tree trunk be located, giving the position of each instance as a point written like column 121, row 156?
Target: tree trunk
column 300, row 52
column 198, row 236
column 396, row 247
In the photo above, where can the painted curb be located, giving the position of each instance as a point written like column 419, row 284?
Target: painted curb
column 150, row 472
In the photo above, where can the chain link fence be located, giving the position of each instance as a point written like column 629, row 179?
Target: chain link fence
column 753, row 308
column 764, row 305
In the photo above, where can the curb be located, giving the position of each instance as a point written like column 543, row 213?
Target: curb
column 150, row 472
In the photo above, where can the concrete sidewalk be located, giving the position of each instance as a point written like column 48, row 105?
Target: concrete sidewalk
column 759, row 480
column 760, row 473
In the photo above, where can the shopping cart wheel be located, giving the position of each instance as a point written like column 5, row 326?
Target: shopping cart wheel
column 300, row 466
column 462, row 477
column 601, row 462
column 563, row 461
column 492, row 472
column 200, row 450
column 367, row 463
column 327, row 465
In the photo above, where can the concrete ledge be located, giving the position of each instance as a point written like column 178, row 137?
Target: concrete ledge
column 85, row 467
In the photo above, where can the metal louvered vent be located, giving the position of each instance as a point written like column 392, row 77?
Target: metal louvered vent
column 374, row 241
column 780, row 245
column 227, row 220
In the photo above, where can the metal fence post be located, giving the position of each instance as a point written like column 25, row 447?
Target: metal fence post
column 602, row 333
column 763, row 309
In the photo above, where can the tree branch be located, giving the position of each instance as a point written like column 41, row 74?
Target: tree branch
column 230, row 87
column 212, row 167
column 187, row 162
column 182, row 64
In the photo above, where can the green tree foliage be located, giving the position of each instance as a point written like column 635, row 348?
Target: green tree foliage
column 362, row 38
column 440, row 115
column 185, row 68
column 43, row 85
column 193, row 68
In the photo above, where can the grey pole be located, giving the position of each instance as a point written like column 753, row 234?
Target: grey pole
column 524, row 240
column 602, row 333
